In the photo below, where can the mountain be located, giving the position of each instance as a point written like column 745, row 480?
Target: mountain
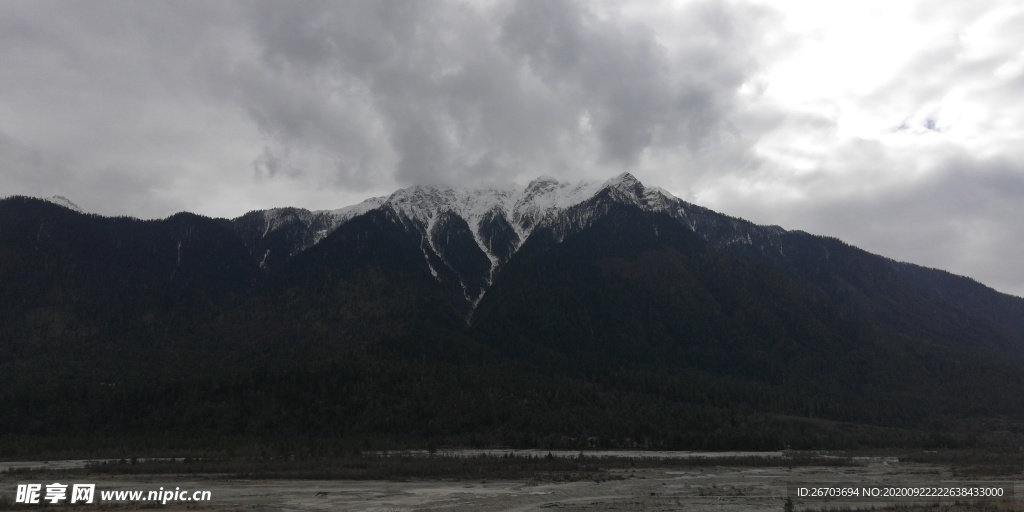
column 474, row 232
column 557, row 314
column 65, row 202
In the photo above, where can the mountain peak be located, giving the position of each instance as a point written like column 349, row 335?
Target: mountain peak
column 624, row 179
column 541, row 182
column 65, row 202
column 486, row 223
column 625, row 188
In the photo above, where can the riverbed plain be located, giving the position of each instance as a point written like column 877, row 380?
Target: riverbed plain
column 718, row 482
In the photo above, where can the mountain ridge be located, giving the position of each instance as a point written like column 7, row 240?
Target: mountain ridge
column 632, row 309
column 522, row 210
column 299, row 228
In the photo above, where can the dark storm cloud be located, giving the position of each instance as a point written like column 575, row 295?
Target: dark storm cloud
column 620, row 77
column 352, row 95
column 640, row 94
column 420, row 89
column 446, row 91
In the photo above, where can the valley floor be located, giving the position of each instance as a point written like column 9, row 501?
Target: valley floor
column 713, row 488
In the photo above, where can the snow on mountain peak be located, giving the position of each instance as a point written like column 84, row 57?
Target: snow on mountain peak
column 541, row 183
column 421, row 203
column 497, row 220
column 523, row 207
column 623, row 180
column 343, row 214
column 65, row 202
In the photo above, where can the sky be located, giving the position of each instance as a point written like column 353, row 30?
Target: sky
column 896, row 126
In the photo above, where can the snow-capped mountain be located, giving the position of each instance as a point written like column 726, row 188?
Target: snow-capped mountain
column 65, row 202
column 616, row 285
column 491, row 223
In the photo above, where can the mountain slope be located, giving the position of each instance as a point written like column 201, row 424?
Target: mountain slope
column 447, row 313
column 636, row 301
column 110, row 295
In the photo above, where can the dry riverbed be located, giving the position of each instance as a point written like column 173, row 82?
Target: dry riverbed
column 710, row 488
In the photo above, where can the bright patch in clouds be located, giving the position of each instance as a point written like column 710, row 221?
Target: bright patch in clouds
column 899, row 131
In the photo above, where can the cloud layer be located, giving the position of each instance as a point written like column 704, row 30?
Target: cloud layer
column 893, row 127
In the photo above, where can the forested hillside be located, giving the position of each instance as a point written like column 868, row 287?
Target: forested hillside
column 613, row 322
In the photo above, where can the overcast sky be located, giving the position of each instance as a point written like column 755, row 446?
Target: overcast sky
column 897, row 126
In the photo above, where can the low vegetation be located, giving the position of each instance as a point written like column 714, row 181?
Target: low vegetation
column 407, row 466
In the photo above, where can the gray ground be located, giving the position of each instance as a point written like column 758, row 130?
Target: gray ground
column 698, row 489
